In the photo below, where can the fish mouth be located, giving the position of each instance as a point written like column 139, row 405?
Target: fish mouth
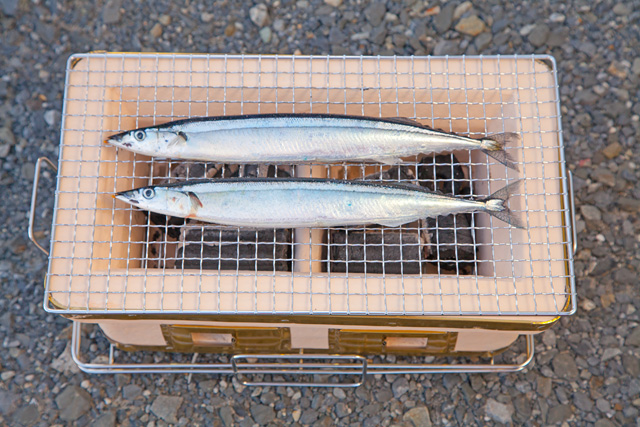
column 127, row 197
column 117, row 139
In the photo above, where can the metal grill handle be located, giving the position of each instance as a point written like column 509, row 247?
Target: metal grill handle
column 240, row 368
column 34, row 199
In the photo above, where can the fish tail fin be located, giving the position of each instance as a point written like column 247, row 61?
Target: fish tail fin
column 494, row 205
column 493, row 146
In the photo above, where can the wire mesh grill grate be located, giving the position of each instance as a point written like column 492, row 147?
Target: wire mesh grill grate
column 107, row 257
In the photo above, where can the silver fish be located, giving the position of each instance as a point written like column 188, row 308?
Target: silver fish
column 300, row 202
column 294, row 138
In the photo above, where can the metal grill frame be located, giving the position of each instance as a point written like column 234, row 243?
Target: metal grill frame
column 567, row 211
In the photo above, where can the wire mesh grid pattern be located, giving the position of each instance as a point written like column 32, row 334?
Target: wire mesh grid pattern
column 107, row 257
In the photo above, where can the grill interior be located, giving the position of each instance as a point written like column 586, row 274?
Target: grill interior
column 108, row 257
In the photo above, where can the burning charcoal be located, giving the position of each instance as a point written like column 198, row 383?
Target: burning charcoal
column 372, row 251
column 229, row 249
column 445, row 171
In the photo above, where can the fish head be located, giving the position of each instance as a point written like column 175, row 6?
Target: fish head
column 151, row 141
column 167, row 200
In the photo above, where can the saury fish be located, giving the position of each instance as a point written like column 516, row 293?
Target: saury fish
column 300, row 202
column 292, row 138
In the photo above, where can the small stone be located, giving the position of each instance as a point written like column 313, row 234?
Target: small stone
column 279, row 25
column 265, row 34
column 603, row 405
column 635, row 68
column 603, row 422
column 6, row 136
column 557, row 18
column 156, row 30
column 64, row 362
column 565, row 367
column 339, row 393
column 27, row 170
column 8, row 402
column 616, row 70
column 549, row 338
column 73, row 402
column 342, row 410
column 543, row 386
column 444, row 19
column 582, row 401
column 131, row 391
column 612, row 150
column 628, row 204
column 558, row 37
column 309, row 416
column 206, row 17
column 165, row 20
column 471, row 25
column 445, row 47
column 166, row 407
column 526, row 30
column 621, row 9
column 633, row 339
column 111, row 11
column 375, row 12
column 591, row 213
column 262, row 414
column 631, row 364
column 295, row 414
column 418, row 416
column 7, row 375
column 432, row 10
column 259, row 15
column 400, row 386
column 107, row 419
column 52, row 117
column 9, row 7
column 610, row 353
column 226, row 416
column 230, row 30
column 587, row 304
column 462, row 8
column 27, row 415
column 498, row 411
column 483, row 41
column 559, row 414
column 334, row 3
column 539, row 35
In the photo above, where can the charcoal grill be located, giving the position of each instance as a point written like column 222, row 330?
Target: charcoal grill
column 316, row 300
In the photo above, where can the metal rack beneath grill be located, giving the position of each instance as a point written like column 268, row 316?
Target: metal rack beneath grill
column 109, row 259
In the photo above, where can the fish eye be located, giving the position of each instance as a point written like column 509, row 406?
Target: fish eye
column 148, row 193
column 139, row 135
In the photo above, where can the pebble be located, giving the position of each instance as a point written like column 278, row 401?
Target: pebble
column 27, row 170
column 526, row 30
column 259, row 14
column 9, row 7
column 131, row 391
column 471, row 25
column 265, row 34
column 166, row 407
column 226, row 416
column 445, row 47
column 262, row 414
column 418, row 416
column 603, row 405
column 483, row 41
column 612, row 150
column 498, row 411
column 399, row 387
column 564, row 366
column 557, row 18
column 559, row 414
column 339, row 393
column 610, row 353
column 73, row 402
column 461, row 9
column 106, row 419
column 617, row 70
column 633, row 339
column 582, row 401
column 621, row 9
column 591, row 213
column 375, row 12
column 7, row 375
column 111, row 12
column 156, row 30
column 230, row 30
column 444, row 19
column 27, row 415
column 635, row 68
column 165, row 20
column 207, row 17
column 334, row 3
column 539, row 35
column 52, row 117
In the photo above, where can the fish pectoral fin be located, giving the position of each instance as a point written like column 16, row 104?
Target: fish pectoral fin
column 194, row 199
column 387, row 160
column 180, row 138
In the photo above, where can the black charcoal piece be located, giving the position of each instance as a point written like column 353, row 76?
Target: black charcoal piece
column 452, row 242
column 442, row 173
column 212, row 248
column 394, row 174
column 374, row 251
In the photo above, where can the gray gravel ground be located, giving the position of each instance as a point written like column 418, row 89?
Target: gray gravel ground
column 586, row 370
